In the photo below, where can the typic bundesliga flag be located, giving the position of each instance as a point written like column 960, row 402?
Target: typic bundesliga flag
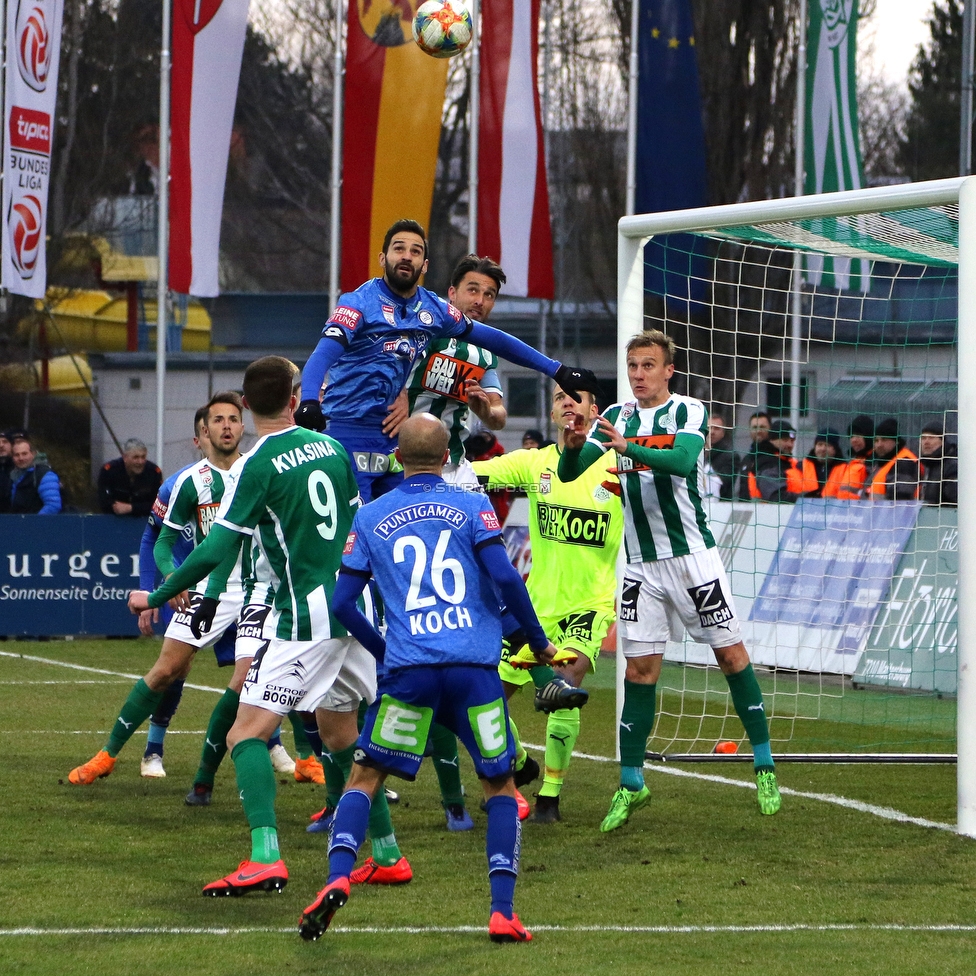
column 33, row 46
column 671, row 168
column 391, row 130
column 208, row 44
column 832, row 156
column 513, row 196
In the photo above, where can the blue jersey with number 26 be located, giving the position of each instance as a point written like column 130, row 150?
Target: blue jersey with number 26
column 420, row 543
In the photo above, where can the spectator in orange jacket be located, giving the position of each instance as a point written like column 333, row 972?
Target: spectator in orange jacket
column 896, row 472
column 847, row 480
column 780, row 477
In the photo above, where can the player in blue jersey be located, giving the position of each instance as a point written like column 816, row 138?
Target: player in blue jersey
column 436, row 553
column 371, row 341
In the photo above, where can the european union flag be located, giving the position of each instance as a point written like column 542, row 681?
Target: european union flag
column 671, row 171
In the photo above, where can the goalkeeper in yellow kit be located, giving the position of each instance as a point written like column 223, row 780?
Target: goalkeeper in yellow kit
column 575, row 531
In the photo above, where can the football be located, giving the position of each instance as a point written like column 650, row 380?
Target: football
column 442, row 28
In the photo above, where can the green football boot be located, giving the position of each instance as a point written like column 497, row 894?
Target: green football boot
column 767, row 792
column 623, row 802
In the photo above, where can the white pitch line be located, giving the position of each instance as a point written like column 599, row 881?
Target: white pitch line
column 112, row 674
column 479, row 929
column 885, row 813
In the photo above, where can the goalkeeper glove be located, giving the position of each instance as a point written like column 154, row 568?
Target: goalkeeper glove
column 574, row 378
column 309, row 415
column 203, row 617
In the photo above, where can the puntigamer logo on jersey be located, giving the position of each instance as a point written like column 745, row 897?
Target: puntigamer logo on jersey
column 575, row 525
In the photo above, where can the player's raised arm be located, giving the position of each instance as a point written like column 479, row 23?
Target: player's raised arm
column 570, row 378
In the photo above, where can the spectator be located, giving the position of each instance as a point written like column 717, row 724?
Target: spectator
column 6, row 466
column 779, row 476
column 847, row 479
column 759, row 435
column 896, row 472
column 129, row 484
column 826, row 454
column 941, row 484
column 533, row 438
column 720, row 460
column 34, row 487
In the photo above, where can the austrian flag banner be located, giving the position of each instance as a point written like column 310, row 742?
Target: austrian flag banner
column 33, row 46
column 208, row 45
column 513, row 198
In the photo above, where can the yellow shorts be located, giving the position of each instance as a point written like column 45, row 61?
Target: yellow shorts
column 581, row 632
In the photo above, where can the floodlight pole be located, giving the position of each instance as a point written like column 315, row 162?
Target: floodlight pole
column 634, row 68
column 162, row 232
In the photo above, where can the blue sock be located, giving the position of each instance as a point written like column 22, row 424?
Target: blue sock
column 312, row 734
column 159, row 722
column 503, row 842
column 348, row 833
column 762, row 757
column 632, row 778
column 275, row 740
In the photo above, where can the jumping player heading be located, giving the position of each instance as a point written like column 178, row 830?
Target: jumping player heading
column 372, row 340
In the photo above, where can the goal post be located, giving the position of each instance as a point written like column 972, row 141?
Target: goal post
column 887, row 236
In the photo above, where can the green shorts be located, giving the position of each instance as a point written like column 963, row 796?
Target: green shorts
column 582, row 632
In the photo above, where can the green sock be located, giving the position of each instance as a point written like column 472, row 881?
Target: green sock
column 541, row 675
column 264, row 845
column 636, row 722
column 140, row 704
column 337, row 766
column 255, row 782
column 385, row 850
column 520, row 754
column 302, row 746
column 215, row 744
column 562, row 731
column 748, row 701
column 446, row 765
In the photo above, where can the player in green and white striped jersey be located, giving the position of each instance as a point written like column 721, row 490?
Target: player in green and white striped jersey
column 673, row 572
column 193, row 507
column 456, row 378
column 296, row 491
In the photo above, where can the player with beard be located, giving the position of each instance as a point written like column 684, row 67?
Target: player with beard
column 371, row 342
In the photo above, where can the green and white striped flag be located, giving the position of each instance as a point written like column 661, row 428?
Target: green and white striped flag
column 832, row 157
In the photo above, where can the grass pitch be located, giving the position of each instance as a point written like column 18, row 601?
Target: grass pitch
column 106, row 879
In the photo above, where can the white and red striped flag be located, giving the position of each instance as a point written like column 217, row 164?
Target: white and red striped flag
column 33, row 45
column 208, row 44
column 513, row 198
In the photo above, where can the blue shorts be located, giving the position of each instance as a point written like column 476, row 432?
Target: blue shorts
column 369, row 451
column 466, row 698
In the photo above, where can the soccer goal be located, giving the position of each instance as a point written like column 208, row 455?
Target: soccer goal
column 840, row 313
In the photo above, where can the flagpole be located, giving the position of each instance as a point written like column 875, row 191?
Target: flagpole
column 632, row 108
column 475, row 123
column 336, row 192
column 796, row 323
column 162, row 243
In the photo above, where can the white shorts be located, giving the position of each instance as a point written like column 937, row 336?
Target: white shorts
column 251, row 630
column 461, row 473
column 305, row 675
column 227, row 612
column 691, row 593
